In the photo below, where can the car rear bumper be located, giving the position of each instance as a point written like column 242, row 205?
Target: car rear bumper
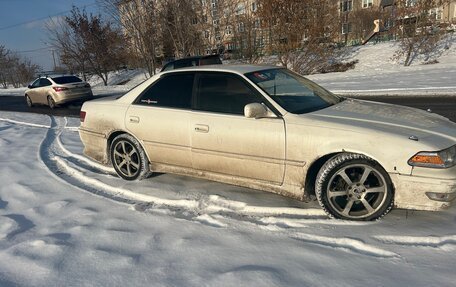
column 423, row 193
column 95, row 145
column 66, row 98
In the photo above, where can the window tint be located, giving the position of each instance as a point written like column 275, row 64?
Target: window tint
column 66, row 79
column 44, row 82
column 223, row 93
column 36, row 83
column 173, row 91
column 168, row 67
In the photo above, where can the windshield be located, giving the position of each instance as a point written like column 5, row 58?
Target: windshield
column 293, row 92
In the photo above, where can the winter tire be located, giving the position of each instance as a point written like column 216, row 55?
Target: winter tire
column 29, row 101
column 51, row 102
column 128, row 158
column 354, row 187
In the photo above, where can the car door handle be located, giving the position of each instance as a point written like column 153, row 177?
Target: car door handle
column 202, row 128
column 134, row 120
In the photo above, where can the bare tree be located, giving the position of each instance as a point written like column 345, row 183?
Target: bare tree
column 86, row 41
column 248, row 33
column 179, row 22
column 139, row 22
column 418, row 28
column 15, row 70
column 301, row 32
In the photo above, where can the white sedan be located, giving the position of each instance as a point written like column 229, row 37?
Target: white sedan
column 268, row 128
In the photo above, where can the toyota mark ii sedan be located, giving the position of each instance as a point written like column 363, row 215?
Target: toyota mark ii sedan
column 57, row 90
column 268, row 128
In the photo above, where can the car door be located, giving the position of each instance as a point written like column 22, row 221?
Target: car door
column 224, row 141
column 33, row 92
column 160, row 118
column 42, row 91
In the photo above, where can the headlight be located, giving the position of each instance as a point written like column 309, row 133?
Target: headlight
column 439, row 159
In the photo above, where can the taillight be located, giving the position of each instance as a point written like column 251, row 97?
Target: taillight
column 82, row 116
column 59, row 89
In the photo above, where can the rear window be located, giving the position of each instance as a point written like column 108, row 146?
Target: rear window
column 66, row 80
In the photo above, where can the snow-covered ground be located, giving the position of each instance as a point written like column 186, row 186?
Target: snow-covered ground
column 67, row 221
column 377, row 73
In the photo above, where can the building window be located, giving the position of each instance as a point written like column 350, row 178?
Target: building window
column 257, row 23
column 229, row 30
column 206, row 34
column 435, row 14
column 346, row 28
column 241, row 27
column 254, row 7
column 194, row 21
column 410, row 3
column 367, row 3
column 346, row 5
column 240, row 9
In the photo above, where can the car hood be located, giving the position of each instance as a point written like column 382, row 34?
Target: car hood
column 398, row 119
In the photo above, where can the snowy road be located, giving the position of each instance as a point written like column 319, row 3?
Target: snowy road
column 445, row 106
column 66, row 221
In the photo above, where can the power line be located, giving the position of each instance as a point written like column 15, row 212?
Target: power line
column 42, row 18
column 34, row 50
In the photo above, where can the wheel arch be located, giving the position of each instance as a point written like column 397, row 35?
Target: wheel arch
column 312, row 171
column 112, row 136
column 317, row 164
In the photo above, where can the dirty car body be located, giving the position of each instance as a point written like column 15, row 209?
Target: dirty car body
column 270, row 129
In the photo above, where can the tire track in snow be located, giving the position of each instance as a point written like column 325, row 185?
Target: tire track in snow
column 419, row 241
column 212, row 210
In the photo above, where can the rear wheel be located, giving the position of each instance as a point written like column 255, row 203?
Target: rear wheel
column 128, row 158
column 51, row 102
column 354, row 187
column 29, row 101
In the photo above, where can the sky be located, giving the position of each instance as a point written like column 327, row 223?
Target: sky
column 22, row 26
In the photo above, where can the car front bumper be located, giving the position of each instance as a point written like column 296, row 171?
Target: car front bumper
column 423, row 193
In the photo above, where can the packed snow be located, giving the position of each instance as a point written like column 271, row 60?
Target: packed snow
column 68, row 221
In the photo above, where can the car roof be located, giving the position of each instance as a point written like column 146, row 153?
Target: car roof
column 238, row 69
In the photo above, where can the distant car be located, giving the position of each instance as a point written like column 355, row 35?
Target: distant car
column 57, row 90
column 268, row 128
column 192, row 61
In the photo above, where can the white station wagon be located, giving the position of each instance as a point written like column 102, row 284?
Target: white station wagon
column 268, row 128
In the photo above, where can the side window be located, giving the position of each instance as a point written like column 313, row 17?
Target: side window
column 36, row 84
column 224, row 93
column 168, row 67
column 173, row 91
column 182, row 64
column 44, row 82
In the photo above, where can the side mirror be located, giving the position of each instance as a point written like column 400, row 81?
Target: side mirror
column 256, row 110
column 29, row 86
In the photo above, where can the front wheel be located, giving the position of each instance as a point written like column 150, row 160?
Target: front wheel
column 128, row 158
column 354, row 187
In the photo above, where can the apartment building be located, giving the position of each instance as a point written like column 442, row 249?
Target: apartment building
column 357, row 17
